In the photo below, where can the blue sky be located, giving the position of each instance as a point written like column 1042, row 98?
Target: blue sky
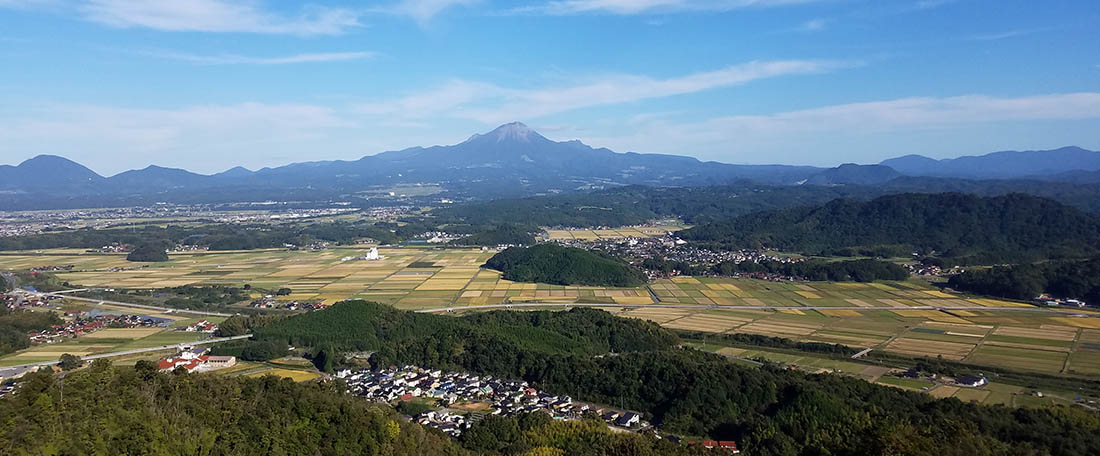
column 210, row 84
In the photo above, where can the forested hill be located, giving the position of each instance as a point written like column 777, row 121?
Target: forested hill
column 770, row 410
column 1004, row 228
column 551, row 263
column 492, row 342
column 637, row 204
column 1063, row 279
column 108, row 410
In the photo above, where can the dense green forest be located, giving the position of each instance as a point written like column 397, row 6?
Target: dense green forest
column 551, row 263
column 216, row 236
column 633, row 205
column 149, row 251
column 636, row 204
column 239, row 325
column 536, row 434
column 501, row 235
column 1003, row 228
column 107, row 410
column 493, row 342
column 770, row 410
column 865, row 270
column 14, row 327
column 1064, row 279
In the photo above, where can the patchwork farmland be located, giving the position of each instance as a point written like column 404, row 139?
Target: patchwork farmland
column 907, row 317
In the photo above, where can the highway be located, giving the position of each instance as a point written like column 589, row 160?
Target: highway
column 134, row 351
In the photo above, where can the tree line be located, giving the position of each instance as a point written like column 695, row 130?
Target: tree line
column 215, row 236
column 864, row 270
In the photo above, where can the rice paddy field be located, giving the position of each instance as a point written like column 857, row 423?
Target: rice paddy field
column 408, row 277
column 906, row 317
column 614, row 233
column 1045, row 342
column 992, row 393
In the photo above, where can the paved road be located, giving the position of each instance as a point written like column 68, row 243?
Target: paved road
column 699, row 306
column 137, row 306
column 135, row 351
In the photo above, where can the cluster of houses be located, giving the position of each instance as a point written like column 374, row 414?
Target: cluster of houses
column 53, row 268
column 672, row 248
column 502, row 397
column 968, row 381
column 87, row 323
column 437, row 237
column 201, row 326
column 195, row 359
column 1052, row 302
column 270, row 302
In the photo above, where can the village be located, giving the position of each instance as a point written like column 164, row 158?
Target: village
column 88, row 322
column 454, row 401
column 457, row 393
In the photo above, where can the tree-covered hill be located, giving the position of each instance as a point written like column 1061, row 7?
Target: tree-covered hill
column 1064, row 279
column 1003, row 228
column 769, row 410
column 493, row 342
column 637, row 204
column 108, row 410
column 551, row 263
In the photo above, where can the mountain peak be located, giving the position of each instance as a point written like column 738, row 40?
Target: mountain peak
column 510, row 132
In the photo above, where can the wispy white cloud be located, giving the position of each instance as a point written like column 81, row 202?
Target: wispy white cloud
column 1007, row 34
column 424, row 10
column 920, row 113
column 906, row 124
column 246, row 16
column 812, row 25
column 233, row 59
column 929, row 4
column 490, row 103
column 564, row 7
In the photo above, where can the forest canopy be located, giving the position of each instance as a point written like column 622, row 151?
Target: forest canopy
column 554, row 264
column 1005, row 228
column 1064, row 279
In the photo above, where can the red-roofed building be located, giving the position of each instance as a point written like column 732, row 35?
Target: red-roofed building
column 193, row 359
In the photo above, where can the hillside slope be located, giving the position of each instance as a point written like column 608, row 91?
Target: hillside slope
column 1005, row 227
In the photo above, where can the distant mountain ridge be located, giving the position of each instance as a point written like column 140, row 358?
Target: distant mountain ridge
column 1000, row 165
column 509, row 161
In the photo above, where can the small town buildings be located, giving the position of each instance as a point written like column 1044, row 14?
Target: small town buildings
column 195, row 359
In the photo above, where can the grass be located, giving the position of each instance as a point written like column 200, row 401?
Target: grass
column 908, row 383
column 293, row 374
